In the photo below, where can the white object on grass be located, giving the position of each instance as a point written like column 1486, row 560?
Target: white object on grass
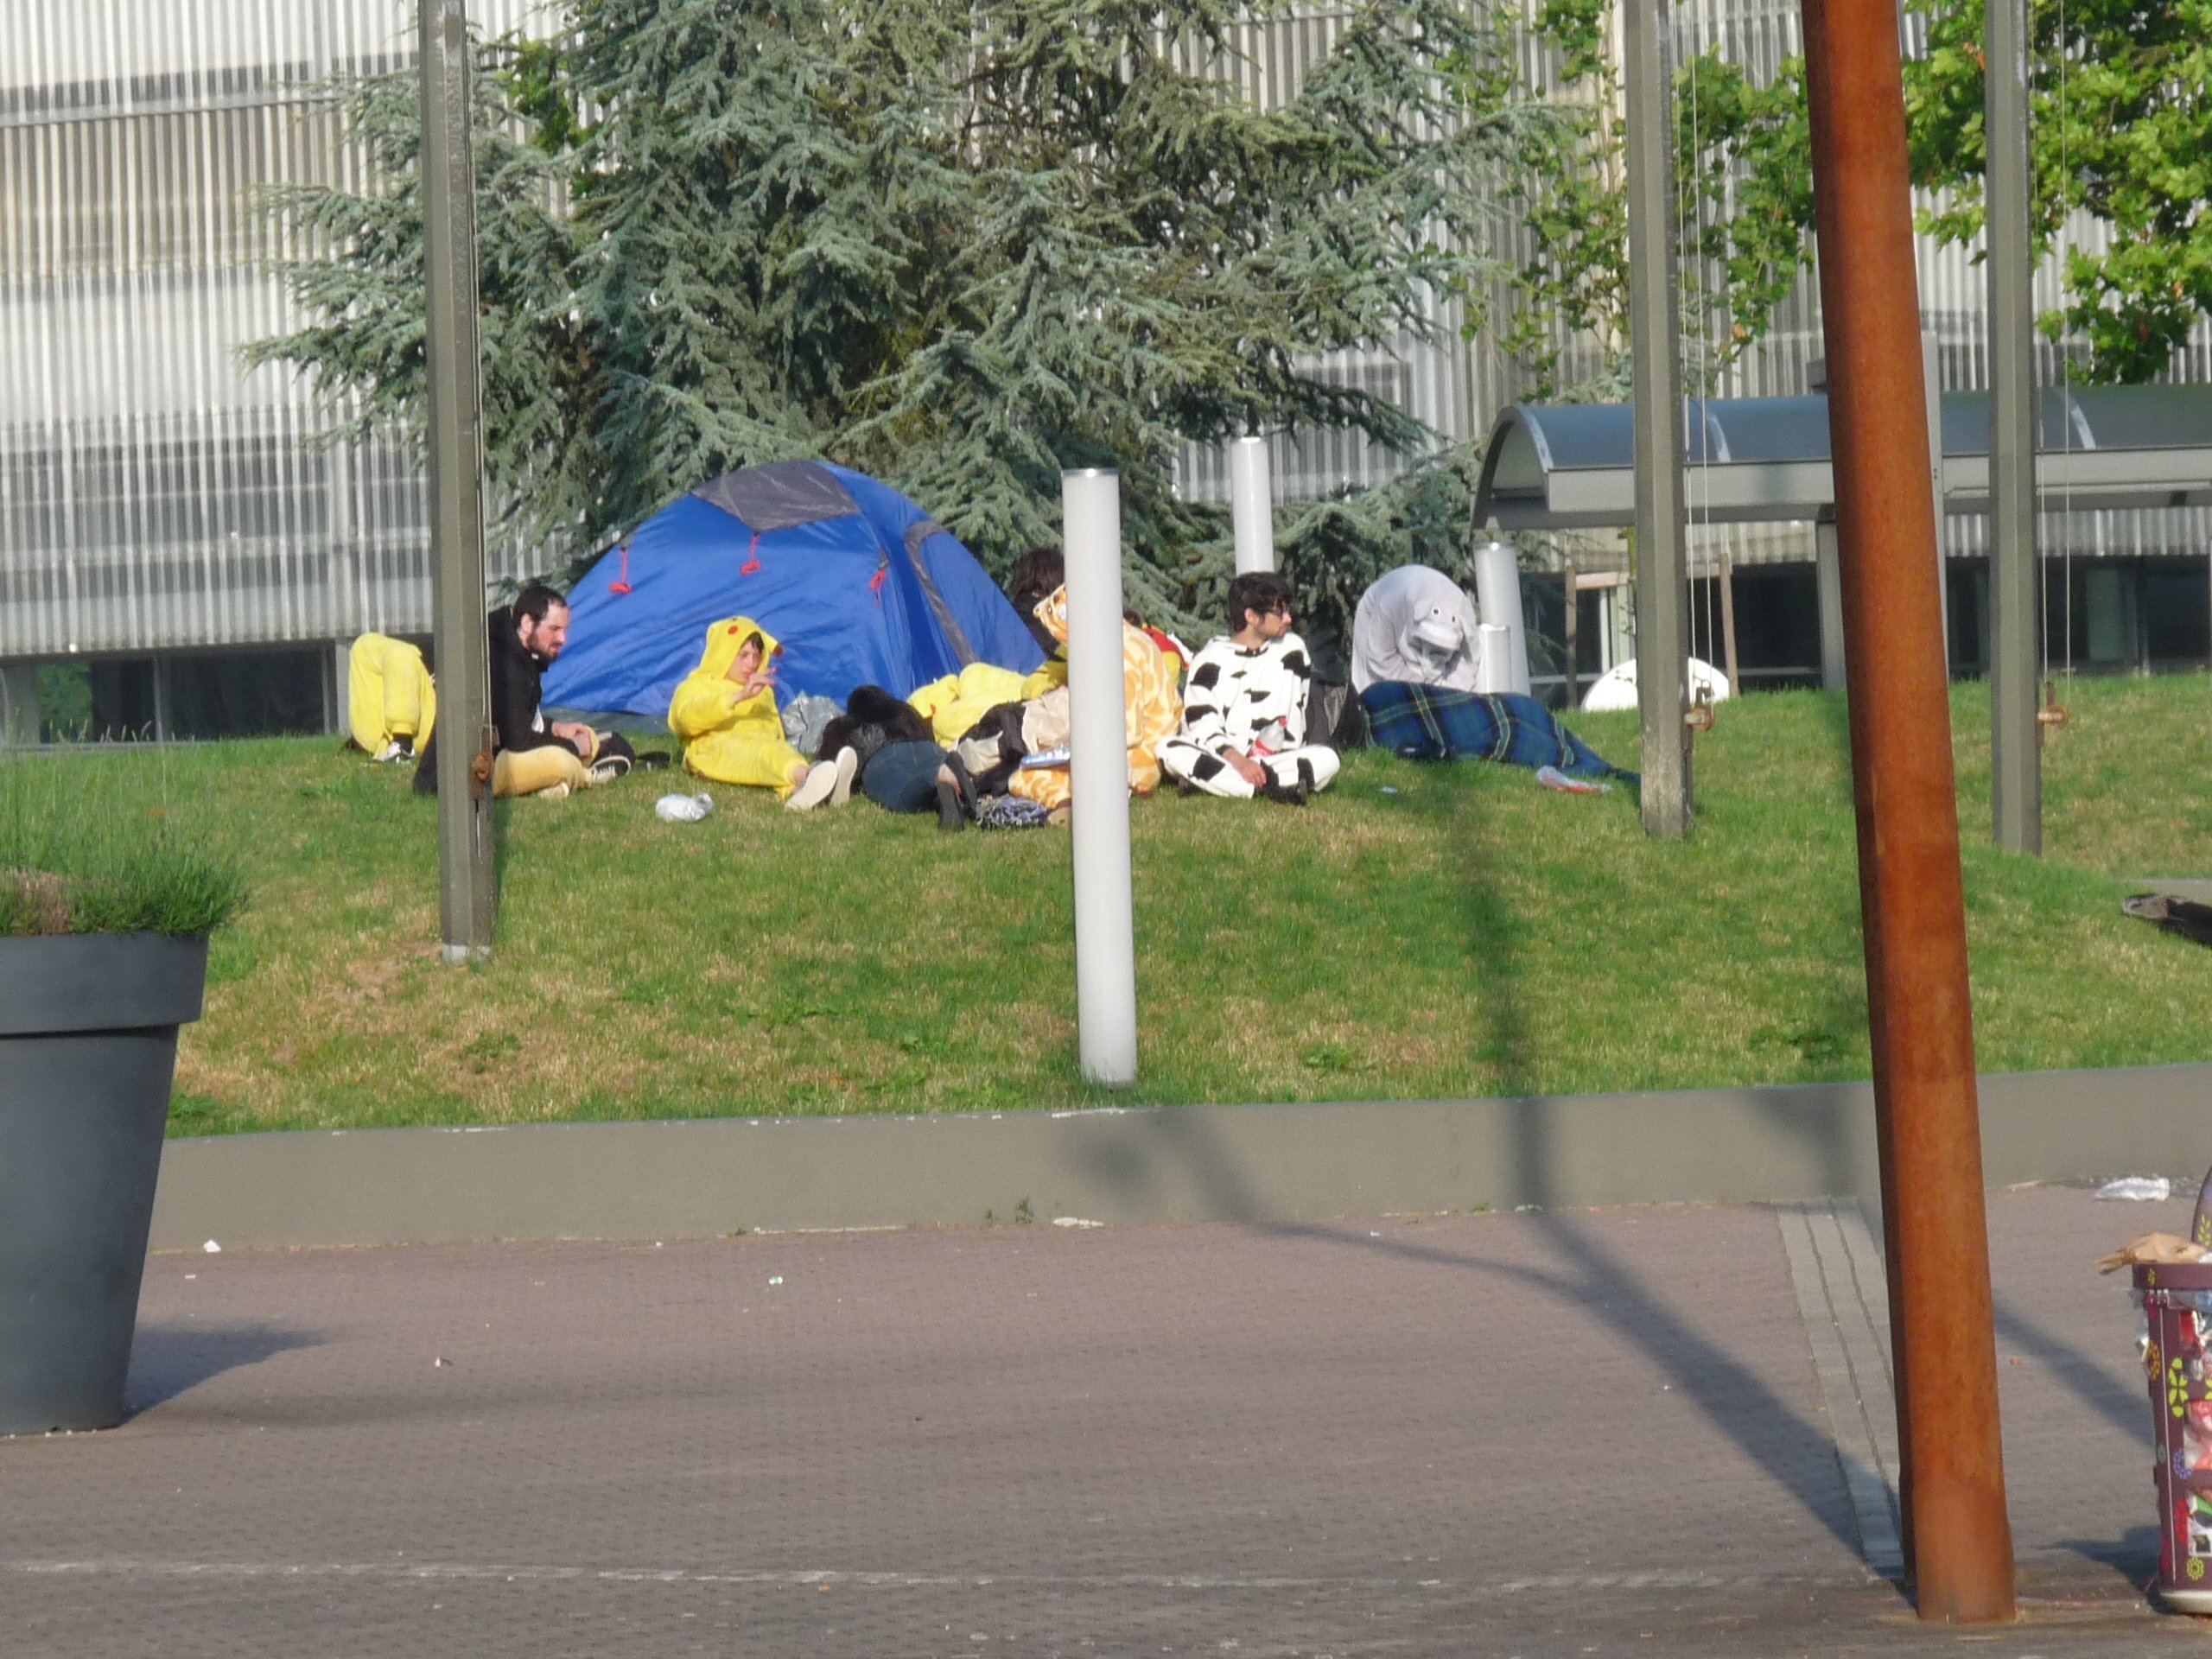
column 1614, row 689
column 2147, row 1188
column 1553, row 777
column 683, row 809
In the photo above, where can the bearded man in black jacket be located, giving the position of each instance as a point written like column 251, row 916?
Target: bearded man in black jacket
column 529, row 756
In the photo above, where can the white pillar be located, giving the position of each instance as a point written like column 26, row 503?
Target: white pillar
column 1497, row 596
column 1105, row 918
column 1494, row 665
column 1252, row 505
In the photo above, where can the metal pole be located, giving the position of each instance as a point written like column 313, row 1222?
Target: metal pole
column 1931, row 376
column 1252, row 505
column 466, row 885
column 1572, row 629
column 2015, row 739
column 19, row 705
column 1910, row 894
column 1827, row 568
column 1728, row 624
column 1661, row 594
column 1105, row 916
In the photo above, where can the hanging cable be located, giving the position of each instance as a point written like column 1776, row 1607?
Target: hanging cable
column 1700, row 498
column 2067, row 409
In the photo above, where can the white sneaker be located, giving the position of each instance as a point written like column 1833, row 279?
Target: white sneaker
column 390, row 752
column 821, row 780
column 848, row 765
column 554, row 792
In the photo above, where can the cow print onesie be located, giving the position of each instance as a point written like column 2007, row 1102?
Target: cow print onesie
column 1250, row 700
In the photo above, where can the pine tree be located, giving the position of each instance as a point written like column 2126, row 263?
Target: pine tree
column 361, row 286
column 960, row 249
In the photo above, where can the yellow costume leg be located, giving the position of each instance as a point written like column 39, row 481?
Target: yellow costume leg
column 750, row 759
column 528, row 771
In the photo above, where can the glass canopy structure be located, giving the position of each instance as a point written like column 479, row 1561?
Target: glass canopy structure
column 1750, row 460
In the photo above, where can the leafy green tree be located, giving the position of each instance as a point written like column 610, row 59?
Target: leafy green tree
column 1742, row 195
column 363, row 296
column 960, row 249
column 1572, row 203
column 2120, row 127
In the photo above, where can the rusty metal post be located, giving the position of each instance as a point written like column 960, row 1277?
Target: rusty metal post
column 1911, row 894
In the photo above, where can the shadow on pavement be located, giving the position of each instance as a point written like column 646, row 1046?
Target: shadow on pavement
column 2122, row 1405
column 168, row 1359
column 1800, row 1455
column 2133, row 1556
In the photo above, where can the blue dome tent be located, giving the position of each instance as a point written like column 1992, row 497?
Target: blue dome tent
column 860, row 586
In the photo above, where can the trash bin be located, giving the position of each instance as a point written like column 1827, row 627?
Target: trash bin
column 2178, row 1309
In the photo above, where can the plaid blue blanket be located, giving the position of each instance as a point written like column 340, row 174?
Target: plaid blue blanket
column 1427, row 722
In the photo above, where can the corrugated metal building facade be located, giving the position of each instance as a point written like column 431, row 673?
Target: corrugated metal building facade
column 154, row 497
column 159, row 503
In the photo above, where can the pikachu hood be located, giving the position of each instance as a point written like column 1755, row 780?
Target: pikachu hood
column 701, row 703
column 726, row 637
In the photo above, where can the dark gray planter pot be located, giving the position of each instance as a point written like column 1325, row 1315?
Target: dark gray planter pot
column 87, row 1053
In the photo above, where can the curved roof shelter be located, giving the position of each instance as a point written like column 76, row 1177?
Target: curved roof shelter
column 1753, row 460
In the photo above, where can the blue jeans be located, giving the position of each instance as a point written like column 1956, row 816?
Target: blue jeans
column 902, row 777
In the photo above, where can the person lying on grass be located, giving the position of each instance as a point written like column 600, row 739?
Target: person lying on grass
column 1416, row 659
column 1244, row 707
column 902, row 767
column 725, row 713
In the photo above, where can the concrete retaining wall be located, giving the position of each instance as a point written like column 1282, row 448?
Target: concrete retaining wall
column 1177, row 1163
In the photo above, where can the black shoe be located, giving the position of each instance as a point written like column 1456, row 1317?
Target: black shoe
column 1289, row 794
column 652, row 759
column 950, row 814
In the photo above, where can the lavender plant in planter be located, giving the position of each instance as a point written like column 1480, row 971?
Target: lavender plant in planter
column 104, row 931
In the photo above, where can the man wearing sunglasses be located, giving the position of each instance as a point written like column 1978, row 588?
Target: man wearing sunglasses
column 1245, row 705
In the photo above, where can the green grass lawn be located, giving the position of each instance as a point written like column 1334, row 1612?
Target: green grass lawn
column 1419, row 932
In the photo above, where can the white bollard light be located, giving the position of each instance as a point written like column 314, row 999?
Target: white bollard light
column 1497, row 596
column 1252, row 505
column 1494, row 667
column 1105, row 918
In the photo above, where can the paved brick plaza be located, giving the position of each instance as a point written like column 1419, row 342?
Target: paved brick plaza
column 1573, row 1432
